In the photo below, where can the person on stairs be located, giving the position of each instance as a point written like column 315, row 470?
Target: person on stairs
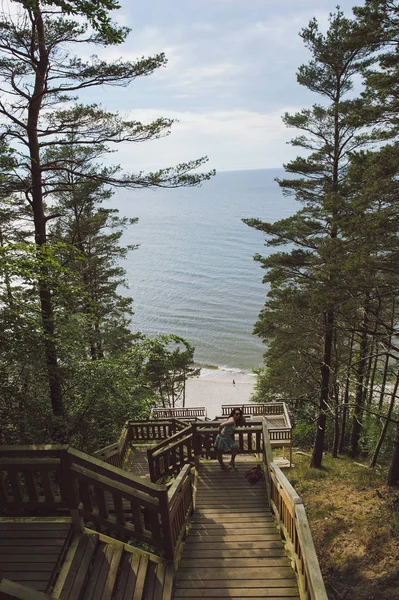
column 224, row 441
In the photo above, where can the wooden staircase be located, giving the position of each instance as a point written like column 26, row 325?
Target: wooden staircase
column 101, row 568
column 233, row 548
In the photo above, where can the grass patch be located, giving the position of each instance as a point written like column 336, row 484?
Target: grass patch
column 354, row 519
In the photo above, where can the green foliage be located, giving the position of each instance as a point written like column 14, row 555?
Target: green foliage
column 303, row 434
column 167, row 361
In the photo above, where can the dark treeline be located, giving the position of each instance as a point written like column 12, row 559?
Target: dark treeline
column 70, row 368
column 331, row 315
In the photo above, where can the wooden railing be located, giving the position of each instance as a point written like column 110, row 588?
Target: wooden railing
column 148, row 431
column 267, row 408
column 169, row 456
column 31, row 477
column 136, row 432
column 187, row 414
column 291, row 518
column 115, row 454
column 54, row 478
column 181, row 504
column 249, row 438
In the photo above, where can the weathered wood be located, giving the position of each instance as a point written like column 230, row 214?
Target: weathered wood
column 187, row 414
column 79, row 569
column 10, row 590
column 127, row 577
column 141, row 576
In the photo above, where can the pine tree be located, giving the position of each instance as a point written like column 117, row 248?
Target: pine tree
column 40, row 77
column 329, row 136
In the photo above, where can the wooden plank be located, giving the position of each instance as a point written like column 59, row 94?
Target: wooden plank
column 79, row 567
column 159, row 581
column 274, row 552
column 233, row 525
column 112, row 573
column 251, row 594
column 149, row 585
column 21, row 534
column 220, row 536
column 242, row 517
column 97, row 569
column 168, row 583
column 228, row 584
column 31, row 545
column 241, row 573
column 17, row 566
column 33, row 526
column 192, row 543
column 127, row 577
column 12, row 589
column 216, row 563
column 42, row 576
column 141, row 576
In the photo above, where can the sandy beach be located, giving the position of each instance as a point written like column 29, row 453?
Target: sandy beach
column 215, row 387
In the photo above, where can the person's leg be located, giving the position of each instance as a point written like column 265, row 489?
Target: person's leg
column 220, row 459
column 234, row 453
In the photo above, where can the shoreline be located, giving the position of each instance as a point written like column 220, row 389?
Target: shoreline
column 214, row 387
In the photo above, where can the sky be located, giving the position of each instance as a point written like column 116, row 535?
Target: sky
column 231, row 75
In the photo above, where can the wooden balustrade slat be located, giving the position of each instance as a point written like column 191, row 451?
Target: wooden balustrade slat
column 3, row 489
column 85, row 495
column 119, row 510
column 100, row 501
column 31, row 485
column 137, row 516
column 16, row 490
column 47, row 487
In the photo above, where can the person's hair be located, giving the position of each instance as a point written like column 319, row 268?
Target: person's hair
column 233, row 412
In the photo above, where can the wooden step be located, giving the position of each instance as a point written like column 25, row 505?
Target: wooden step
column 79, row 568
column 233, row 548
column 102, row 579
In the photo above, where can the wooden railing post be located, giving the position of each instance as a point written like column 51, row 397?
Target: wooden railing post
column 168, row 544
column 73, row 493
column 196, row 445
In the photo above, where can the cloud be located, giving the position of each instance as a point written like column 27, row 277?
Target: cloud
column 232, row 139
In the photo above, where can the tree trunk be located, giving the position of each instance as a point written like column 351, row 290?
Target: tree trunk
column 346, row 396
column 359, row 400
column 317, row 455
column 384, row 429
column 47, row 316
column 393, row 475
column 386, row 366
column 336, row 421
column 373, row 374
column 7, row 280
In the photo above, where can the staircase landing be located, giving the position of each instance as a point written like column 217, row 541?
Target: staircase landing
column 233, row 548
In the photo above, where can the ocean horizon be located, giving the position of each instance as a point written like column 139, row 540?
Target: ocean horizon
column 194, row 274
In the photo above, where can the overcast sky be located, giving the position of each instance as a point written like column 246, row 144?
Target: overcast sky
column 231, row 74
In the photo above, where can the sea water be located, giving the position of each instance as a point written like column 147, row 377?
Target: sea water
column 194, row 274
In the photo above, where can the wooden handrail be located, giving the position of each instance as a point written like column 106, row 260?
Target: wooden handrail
column 292, row 520
column 169, row 456
column 121, row 504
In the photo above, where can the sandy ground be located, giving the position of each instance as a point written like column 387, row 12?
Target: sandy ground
column 215, row 387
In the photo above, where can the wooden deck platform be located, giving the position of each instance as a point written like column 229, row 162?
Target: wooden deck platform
column 233, row 548
column 32, row 549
